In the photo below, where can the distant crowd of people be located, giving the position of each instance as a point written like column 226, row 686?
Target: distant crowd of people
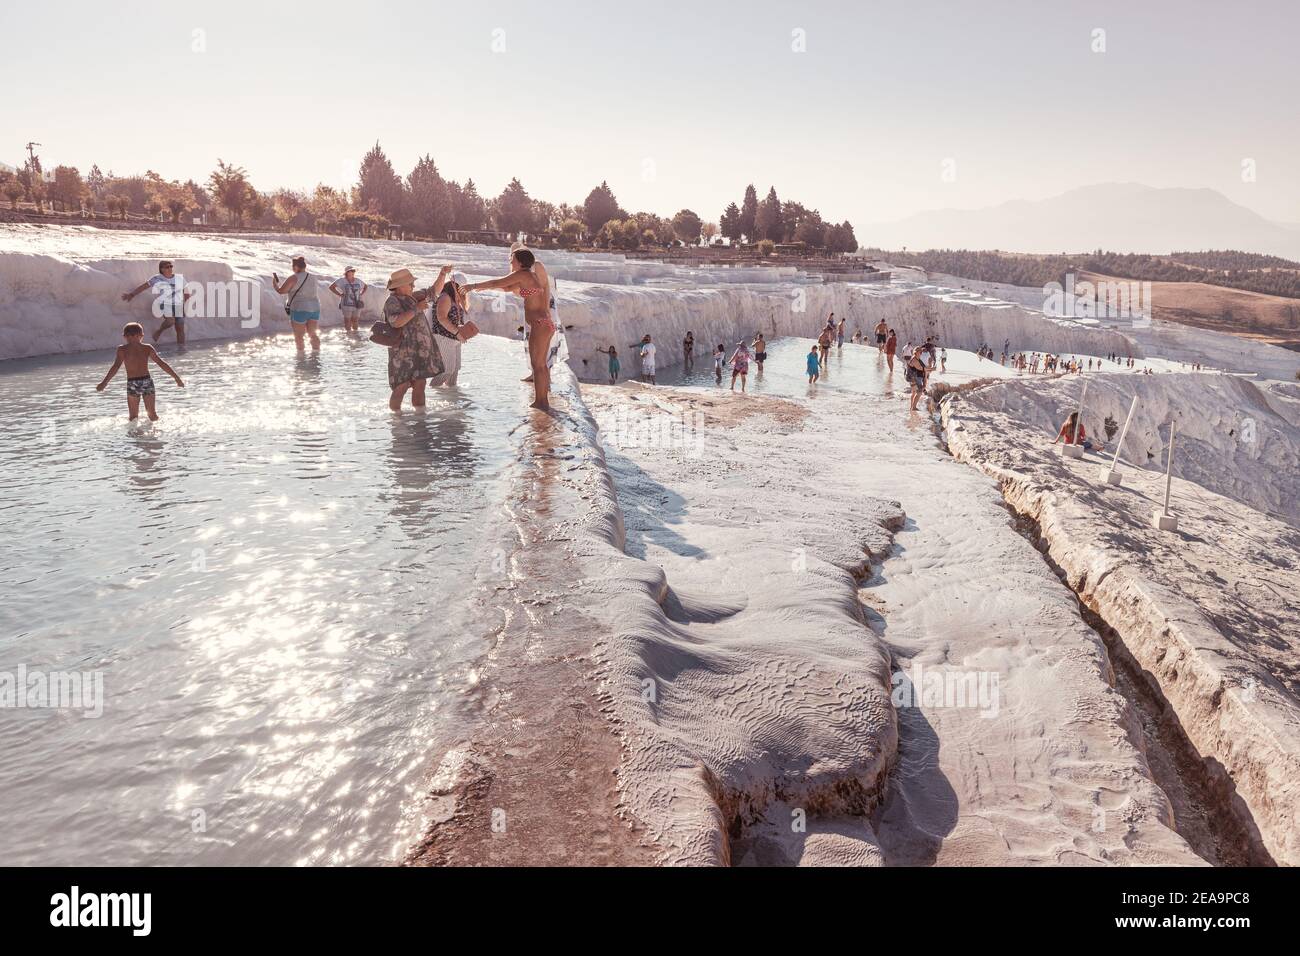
column 920, row 360
column 424, row 349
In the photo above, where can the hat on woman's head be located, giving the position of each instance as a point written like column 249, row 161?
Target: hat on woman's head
column 400, row 278
column 516, row 246
column 460, row 278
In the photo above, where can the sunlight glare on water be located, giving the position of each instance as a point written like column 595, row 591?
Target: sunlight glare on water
column 268, row 581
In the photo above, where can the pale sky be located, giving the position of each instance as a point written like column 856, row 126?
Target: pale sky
column 674, row 103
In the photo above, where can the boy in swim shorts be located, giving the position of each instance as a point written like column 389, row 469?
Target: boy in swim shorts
column 136, row 356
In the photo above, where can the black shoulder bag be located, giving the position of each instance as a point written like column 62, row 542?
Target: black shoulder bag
column 288, row 306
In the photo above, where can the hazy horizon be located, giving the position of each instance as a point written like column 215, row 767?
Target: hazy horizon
column 888, row 112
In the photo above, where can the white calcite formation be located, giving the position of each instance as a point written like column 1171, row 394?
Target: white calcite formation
column 806, row 573
column 1231, row 438
column 1208, row 612
column 1170, row 340
column 60, row 291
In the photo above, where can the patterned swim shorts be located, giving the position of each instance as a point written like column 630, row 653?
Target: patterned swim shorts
column 139, row 386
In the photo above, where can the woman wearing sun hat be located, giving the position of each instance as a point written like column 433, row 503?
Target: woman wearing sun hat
column 349, row 290
column 415, row 358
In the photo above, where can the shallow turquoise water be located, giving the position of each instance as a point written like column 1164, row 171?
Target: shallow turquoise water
column 267, row 583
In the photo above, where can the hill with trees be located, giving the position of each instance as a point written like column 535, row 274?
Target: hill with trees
column 1248, row 272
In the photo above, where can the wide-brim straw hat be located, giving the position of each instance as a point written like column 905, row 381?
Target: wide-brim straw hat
column 400, row 278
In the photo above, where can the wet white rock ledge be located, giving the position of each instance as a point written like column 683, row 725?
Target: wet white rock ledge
column 61, row 287
column 1207, row 612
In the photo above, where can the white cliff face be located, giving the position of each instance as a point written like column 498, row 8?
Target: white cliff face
column 1204, row 611
column 61, row 286
column 1229, row 440
column 1170, row 340
column 60, row 291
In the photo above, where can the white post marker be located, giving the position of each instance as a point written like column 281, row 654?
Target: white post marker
column 1163, row 519
column 1110, row 475
column 1074, row 448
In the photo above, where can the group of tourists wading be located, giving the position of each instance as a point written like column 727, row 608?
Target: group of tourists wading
column 422, row 328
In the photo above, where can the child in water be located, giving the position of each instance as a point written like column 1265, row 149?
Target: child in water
column 814, row 366
column 136, row 355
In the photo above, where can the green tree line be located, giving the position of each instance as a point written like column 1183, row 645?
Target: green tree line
column 423, row 202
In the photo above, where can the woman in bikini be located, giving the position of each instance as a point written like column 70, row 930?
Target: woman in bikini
column 538, row 270
column 537, row 316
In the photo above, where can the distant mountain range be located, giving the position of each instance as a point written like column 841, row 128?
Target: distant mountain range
column 1119, row 217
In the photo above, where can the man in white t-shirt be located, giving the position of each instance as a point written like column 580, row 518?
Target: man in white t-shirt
column 171, row 298
column 647, row 351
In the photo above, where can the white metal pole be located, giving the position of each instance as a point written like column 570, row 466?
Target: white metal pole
column 1169, row 466
column 1110, row 475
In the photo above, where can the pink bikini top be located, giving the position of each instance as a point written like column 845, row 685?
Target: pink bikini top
column 527, row 292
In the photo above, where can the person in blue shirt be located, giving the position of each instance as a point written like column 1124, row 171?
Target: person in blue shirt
column 814, row 366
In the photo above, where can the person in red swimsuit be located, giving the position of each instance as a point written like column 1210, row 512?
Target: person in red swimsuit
column 537, row 313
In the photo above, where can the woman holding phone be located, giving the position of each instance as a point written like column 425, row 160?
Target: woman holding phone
column 302, row 302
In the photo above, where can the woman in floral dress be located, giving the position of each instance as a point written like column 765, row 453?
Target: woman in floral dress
column 415, row 358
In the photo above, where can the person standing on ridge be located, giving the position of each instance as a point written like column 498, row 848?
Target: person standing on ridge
column 171, row 302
